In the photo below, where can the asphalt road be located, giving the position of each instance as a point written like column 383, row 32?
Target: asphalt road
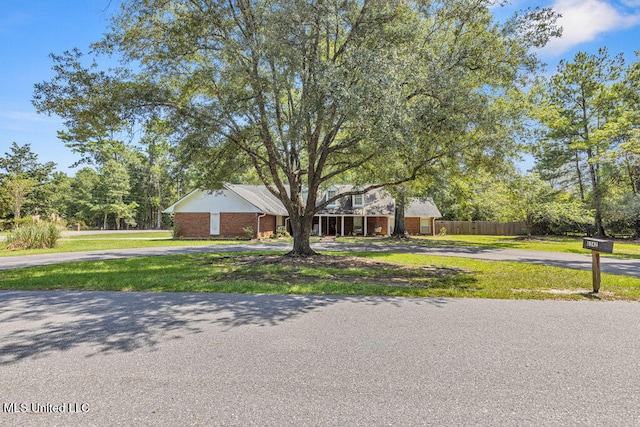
column 629, row 267
column 137, row 359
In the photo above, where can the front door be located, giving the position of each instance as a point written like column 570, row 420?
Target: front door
column 332, row 226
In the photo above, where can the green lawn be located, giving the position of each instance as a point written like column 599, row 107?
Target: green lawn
column 342, row 274
column 105, row 241
column 549, row 244
column 132, row 235
column 86, row 243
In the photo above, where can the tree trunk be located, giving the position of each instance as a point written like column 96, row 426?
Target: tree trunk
column 159, row 212
column 597, row 199
column 16, row 210
column 528, row 224
column 301, row 229
column 632, row 178
column 159, row 218
column 581, row 186
column 400, row 229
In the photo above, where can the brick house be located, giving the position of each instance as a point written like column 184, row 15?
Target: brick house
column 233, row 211
column 372, row 213
column 243, row 210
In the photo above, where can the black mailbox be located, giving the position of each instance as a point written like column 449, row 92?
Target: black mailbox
column 599, row 245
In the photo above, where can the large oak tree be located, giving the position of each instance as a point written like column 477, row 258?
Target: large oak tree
column 304, row 91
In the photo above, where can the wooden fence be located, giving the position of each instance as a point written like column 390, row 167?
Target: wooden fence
column 487, row 228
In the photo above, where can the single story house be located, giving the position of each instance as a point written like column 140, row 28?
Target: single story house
column 251, row 210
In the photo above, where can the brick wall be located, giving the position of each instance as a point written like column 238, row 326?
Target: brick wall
column 267, row 225
column 191, row 224
column 348, row 225
column 412, row 224
column 197, row 225
column 375, row 222
column 232, row 224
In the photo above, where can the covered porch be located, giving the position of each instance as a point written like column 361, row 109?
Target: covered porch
column 352, row 225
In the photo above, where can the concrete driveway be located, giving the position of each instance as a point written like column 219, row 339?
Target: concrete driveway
column 139, row 359
column 625, row 266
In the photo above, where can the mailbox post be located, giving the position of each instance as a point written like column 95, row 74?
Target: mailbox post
column 596, row 246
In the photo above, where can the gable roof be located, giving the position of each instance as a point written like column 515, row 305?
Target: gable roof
column 260, row 197
column 172, row 208
column 419, row 207
column 377, row 202
column 256, row 195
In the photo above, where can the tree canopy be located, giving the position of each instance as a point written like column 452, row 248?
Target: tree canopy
column 304, row 91
column 589, row 113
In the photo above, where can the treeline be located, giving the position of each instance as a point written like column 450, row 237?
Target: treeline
column 585, row 139
column 126, row 189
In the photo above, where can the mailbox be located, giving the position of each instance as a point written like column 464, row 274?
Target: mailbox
column 596, row 246
column 599, row 245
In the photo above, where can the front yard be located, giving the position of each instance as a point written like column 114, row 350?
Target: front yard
column 335, row 274
column 621, row 249
column 106, row 241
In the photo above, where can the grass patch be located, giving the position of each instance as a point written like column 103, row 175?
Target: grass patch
column 99, row 242
column 81, row 245
column 335, row 274
column 541, row 243
column 129, row 235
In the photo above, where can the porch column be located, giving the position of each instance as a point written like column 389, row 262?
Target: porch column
column 319, row 225
column 388, row 226
column 365, row 226
column 342, row 226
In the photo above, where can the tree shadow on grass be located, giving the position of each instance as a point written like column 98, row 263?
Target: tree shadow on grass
column 35, row 324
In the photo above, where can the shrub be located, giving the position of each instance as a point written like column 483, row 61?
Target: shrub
column 6, row 224
column 25, row 221
column 38, row 236
column 175, row 231
column 249, row 231
column 281, row 231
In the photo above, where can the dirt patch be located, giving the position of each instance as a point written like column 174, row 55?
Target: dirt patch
column 579, row 291
column 326, row 261
column 356, row 270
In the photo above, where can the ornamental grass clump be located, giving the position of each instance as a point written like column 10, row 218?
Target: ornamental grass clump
column 38, row 236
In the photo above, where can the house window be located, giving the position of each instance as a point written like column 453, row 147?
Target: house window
column 358, row 201
column 425, row 225
column 330, row 194
column 357, row 225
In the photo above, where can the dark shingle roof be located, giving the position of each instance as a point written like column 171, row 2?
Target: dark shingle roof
column 378, row 202
column 260, row 197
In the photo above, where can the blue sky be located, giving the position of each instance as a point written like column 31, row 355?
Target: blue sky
column 32, row 29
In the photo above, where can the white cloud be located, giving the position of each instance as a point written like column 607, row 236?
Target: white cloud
column 25, row 116
column 583, row 20
column 13, row 122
